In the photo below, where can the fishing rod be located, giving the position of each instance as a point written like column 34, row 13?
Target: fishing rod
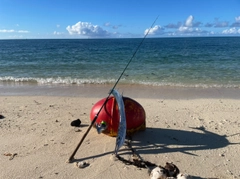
column 96, row 116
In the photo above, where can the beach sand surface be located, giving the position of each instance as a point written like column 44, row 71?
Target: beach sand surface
column 200, row 135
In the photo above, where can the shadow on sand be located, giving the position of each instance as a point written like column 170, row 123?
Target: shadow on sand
column 159, row 140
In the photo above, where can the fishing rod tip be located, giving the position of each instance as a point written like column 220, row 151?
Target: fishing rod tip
column 70, row 160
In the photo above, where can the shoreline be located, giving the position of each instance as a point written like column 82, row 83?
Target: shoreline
column 133, row 91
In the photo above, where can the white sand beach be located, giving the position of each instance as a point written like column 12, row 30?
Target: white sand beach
column 200, row 135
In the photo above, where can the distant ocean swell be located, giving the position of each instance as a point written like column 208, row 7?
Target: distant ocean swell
column 176, row 62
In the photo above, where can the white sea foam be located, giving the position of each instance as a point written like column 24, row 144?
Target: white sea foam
column 58, row 80
column 76, row 81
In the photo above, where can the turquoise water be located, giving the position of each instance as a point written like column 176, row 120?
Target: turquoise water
column 187, row 62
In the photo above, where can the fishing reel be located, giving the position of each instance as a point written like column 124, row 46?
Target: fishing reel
column 101, row 126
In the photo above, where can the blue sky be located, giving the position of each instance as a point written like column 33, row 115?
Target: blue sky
column 117, row 19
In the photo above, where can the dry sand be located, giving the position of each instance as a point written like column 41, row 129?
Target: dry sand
column 201, row 135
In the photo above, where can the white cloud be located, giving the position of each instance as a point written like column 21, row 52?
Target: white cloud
column 6, row 31
column 221, row 24
column 237, row 22
column 183, row 29
column 173, row 26
column 191, row 28
column 187, row 27
column 107, row 24
column 12, row 31
column 116, row 26
column 189, row 21
column 87, row 29
column 58, row 25
column 237, row 19
column 211, row 32
column 23, row 31
column 57, row 33
column 233, row 30
column 156, row 30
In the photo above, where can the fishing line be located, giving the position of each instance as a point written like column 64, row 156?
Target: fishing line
column 138, row 47
column 114, row 86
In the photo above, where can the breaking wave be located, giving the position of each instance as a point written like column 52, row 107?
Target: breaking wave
column 77, row 81
column 58, row 80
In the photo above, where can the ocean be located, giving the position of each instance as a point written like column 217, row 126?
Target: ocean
column 179, row 62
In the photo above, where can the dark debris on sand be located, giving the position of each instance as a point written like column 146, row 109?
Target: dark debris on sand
column 1, row 116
